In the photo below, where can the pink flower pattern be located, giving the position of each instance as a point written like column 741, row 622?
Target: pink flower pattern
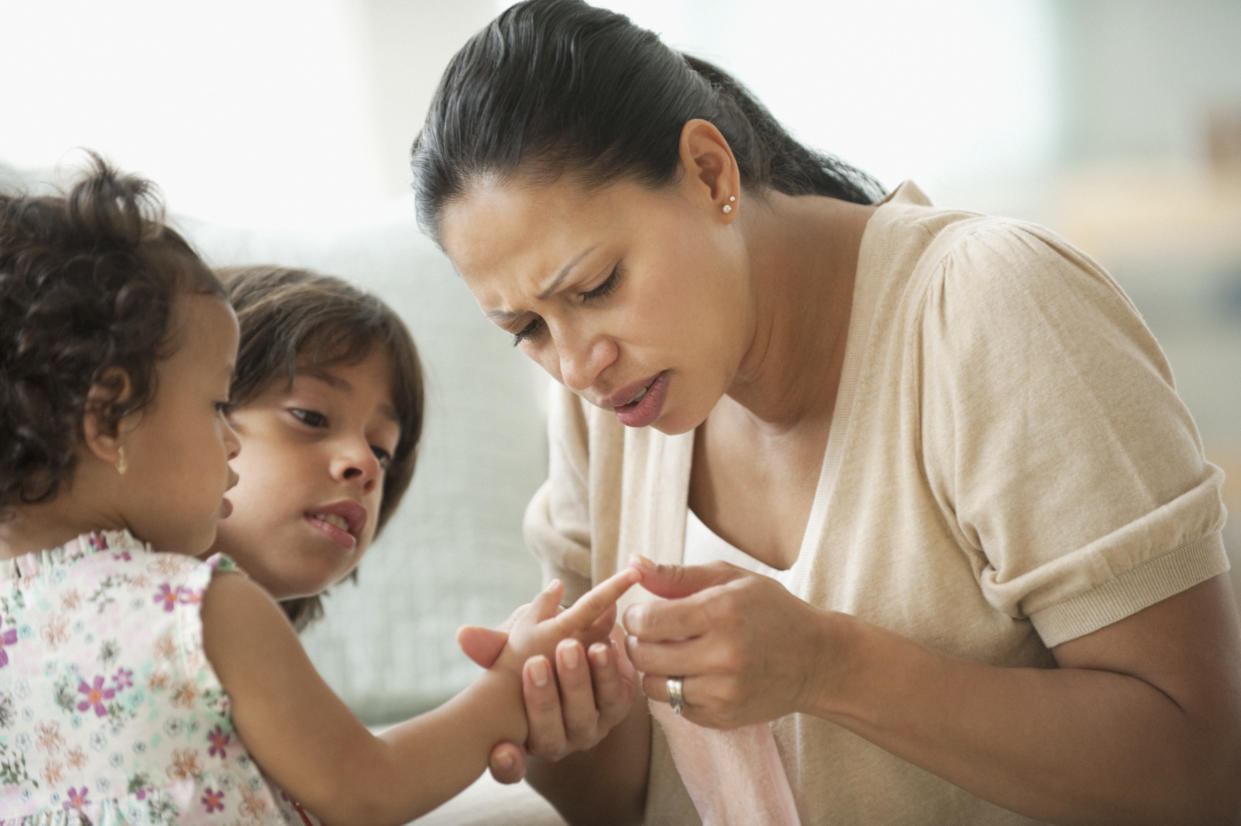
column 95, row 695
column 144, row 705
column 213, row 800
column 7, row 638
column 77, row 798
column 166, row 596
column 219, row 742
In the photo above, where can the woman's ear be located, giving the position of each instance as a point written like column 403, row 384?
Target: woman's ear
column 102, row 430
column 711, row 170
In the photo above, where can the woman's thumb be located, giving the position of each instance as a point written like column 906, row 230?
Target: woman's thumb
column 674, row 581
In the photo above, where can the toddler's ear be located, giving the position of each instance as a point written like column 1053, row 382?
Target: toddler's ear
column 101, row 431
column 482, row 645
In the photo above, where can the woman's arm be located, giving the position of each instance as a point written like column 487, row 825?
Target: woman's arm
column 318, row 752
column 1141, row 723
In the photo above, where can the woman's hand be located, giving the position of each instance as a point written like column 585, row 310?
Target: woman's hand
column 569, row 709
column 746, row 649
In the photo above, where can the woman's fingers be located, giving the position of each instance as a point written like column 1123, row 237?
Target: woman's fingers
column 614, row 680
column 678, row 619
column 577, row 695
column 671, row 657
column 677, row 581
column 546, row 738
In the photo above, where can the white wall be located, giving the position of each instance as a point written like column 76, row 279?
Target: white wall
column 280, row 112
column 295, row 111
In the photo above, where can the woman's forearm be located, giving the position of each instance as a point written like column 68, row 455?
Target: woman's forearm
column 605, row 785
column 1068, row 745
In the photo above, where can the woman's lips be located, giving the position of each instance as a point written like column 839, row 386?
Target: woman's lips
column 648, row 403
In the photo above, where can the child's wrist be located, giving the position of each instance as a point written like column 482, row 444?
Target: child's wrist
column 505, row 687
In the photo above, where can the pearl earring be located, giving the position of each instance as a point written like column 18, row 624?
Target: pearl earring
column 120, row 464
column 729, row 206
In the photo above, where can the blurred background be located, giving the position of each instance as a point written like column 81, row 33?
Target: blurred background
column 1115, row 122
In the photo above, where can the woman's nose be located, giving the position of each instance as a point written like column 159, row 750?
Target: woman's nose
column 583, row 359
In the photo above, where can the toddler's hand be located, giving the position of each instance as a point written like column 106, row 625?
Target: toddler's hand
column 537, row 627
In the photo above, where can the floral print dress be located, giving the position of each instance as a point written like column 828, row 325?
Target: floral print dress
column 109, row 710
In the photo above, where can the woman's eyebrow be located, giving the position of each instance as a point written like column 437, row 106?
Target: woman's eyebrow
column 509, row 315
column 565, row 270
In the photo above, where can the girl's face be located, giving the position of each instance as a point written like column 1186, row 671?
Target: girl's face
column 178, row 447
column 312, row 475
column 637, row 299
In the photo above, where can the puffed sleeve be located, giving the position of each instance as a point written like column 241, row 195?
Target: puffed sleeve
column 557, row 521
column 1054, row 435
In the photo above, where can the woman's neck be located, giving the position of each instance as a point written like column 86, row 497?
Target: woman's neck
column 803, row 254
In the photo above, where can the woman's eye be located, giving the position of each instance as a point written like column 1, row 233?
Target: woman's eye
column 384, row 457
column 605, row 289
column 311, row 418
column 225, row 408
column 529, row 331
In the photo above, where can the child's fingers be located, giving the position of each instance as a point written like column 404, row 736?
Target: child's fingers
column 482, row 645
column 546, row 603
column 597, row 601
column 600, row 628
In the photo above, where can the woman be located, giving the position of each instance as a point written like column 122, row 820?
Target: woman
column 937, row 538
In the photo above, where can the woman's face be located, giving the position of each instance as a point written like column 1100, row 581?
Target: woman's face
column 637, row 299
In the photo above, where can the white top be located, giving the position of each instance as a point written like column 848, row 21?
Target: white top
column 703, row 545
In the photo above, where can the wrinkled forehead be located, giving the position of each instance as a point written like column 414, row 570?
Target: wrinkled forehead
column 528, row 229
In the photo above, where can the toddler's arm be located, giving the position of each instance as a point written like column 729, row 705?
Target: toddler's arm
column 312, row 746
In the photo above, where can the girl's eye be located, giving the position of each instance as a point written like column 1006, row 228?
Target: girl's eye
column 384, row 457
column 529, row 331
column 225, row 408
column 311, row 418
column 605, row 289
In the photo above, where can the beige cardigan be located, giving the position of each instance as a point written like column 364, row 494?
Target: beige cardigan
column 1008, row 468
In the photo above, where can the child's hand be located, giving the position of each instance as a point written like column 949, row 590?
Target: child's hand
column 537, row 627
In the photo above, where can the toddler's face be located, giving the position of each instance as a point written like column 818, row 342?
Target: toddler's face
column 178, row 447
column 312, row 475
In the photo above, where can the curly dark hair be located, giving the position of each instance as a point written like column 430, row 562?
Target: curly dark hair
column 87, row 284
column 294, row 318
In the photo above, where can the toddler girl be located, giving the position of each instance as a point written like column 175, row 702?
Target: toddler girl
column 139, row 684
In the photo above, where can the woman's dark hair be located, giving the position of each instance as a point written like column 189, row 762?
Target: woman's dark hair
column 293, row 319
column 87, row 285
column 555, row 86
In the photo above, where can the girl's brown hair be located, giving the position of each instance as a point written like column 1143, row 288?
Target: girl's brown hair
column 295, row 318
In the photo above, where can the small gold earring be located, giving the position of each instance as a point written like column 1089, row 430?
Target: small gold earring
column 729, row 206
column 120, row 464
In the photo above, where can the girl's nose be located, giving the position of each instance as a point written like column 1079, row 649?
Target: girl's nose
column 355, row 461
